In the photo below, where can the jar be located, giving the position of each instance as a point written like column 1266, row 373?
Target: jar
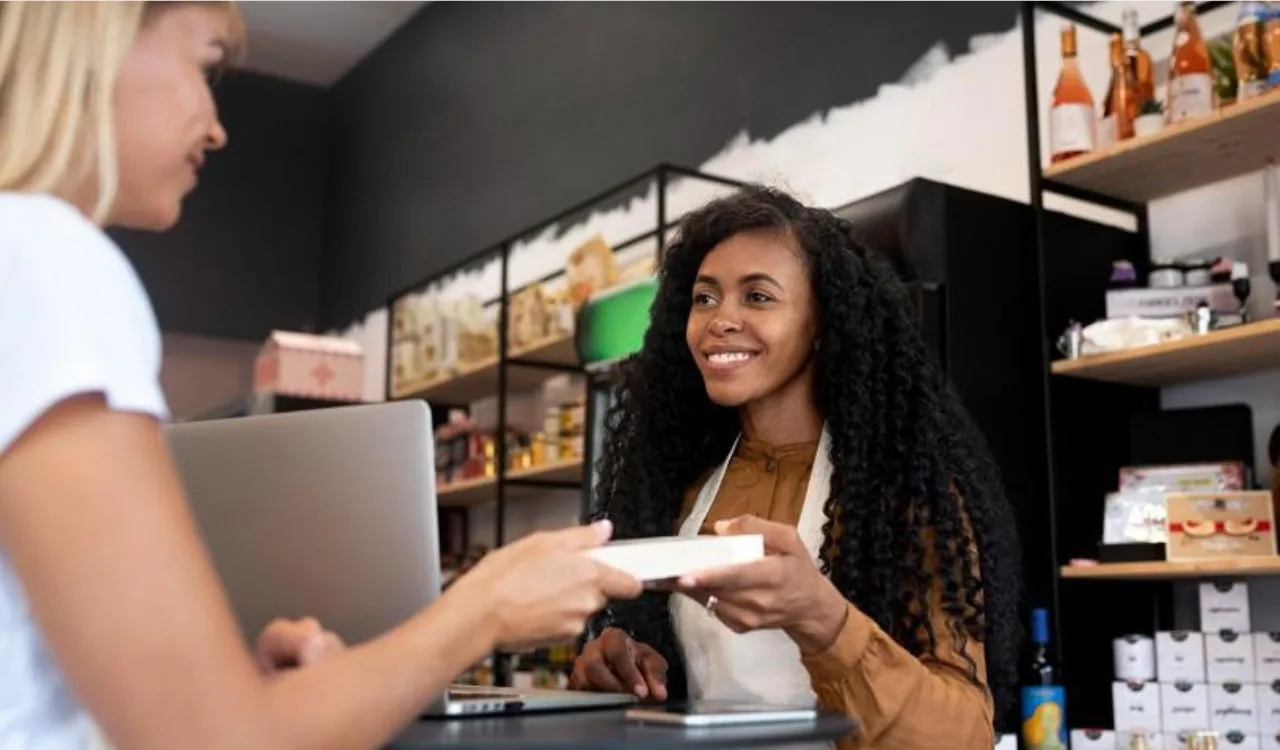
column 1165, row 276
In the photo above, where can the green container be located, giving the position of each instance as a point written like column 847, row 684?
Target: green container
column 611, row 324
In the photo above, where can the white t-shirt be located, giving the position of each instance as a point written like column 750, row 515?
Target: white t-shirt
column 74, row 319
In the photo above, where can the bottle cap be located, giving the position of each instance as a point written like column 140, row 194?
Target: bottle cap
column 1040, row 626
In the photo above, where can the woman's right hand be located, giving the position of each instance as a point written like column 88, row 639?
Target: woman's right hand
column 541, row 589
column 617, row 663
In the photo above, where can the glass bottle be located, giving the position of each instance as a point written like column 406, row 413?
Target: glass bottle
column 1190, row 92
column 1139, row 59
column 1120, row 108
column 1271, row 45
column 1071, row 118
column 1044, row 718
column 1247, row 51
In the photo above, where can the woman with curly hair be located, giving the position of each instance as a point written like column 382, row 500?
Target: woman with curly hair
column 783, row 389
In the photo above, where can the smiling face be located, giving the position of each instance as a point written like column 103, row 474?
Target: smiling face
column 752, row 326
column 165, row 114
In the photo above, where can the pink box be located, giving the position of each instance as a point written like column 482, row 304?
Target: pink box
column 308, row 366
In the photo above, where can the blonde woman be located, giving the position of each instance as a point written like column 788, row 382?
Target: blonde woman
column 111, row 617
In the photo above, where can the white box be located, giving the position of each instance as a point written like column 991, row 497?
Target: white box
column 1239, row 741
column 1183, row 706
column 1233, row 707
column 1136, row 706
column 659, row 558
column 1269, row 741
column 1228, row 657
column 1008, row 742
column 1269, row 708
column 1224, row 606
column 1093, row 739
column 1266, row 657
column 1180, row 657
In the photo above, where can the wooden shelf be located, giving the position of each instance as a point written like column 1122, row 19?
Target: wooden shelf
column 485, row 489
column 1234, row 140
column 1231, row 351
column 481, row 379
column 1160, row 570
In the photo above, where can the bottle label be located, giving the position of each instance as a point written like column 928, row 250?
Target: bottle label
column 1190, row 95
column 1044, row 725
column 1106, row 131
column 1071, row 129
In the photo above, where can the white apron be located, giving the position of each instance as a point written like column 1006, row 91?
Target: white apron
column 762, row 666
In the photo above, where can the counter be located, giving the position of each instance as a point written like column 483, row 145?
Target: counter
column 579, row 730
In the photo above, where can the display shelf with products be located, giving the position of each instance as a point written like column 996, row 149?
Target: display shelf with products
column 457, row 351
column 1161, row 570
column 1200, row 124
column 1236, row 350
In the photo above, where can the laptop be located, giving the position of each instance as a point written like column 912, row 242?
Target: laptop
column 331, row 513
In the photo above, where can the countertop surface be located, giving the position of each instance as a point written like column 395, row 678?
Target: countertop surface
column 610, row 729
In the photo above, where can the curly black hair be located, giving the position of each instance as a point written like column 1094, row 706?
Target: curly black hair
column 905, row 454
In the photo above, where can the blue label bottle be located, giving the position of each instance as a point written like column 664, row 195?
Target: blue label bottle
column 1044, row 701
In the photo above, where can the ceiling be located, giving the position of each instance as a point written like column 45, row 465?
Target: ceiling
column 318, row 42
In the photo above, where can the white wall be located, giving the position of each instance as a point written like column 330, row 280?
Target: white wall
column 959, row 120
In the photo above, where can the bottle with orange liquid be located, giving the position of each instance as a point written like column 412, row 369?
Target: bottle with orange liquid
column 1247, row 50
column 1138, row 58
column 1120, row 108
column 1190, row 92
column 1071, row 118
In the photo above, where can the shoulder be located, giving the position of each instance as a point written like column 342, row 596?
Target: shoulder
column 73, row 313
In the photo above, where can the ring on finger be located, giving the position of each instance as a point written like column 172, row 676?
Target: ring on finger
column 711, row 603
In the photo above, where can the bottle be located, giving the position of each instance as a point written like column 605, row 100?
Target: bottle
column 1044, row 720
column 1071, row 118
column 1190, row 92
column 1247, row 50
column 1271, row 45
column 1138, row 58
column 1120, row 108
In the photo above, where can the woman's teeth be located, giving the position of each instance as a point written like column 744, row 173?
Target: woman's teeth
column 724, row 358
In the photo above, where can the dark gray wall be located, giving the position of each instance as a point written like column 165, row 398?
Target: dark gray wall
column 246, row 256
column 477, row 120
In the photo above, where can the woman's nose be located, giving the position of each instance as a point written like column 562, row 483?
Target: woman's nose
column 721, row 326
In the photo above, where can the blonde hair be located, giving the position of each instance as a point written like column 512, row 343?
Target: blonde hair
column 58, row 67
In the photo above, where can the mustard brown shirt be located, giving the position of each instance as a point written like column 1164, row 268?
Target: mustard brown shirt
column 902, row 702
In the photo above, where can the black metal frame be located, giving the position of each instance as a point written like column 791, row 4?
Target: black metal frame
column 663, row 174
column 1039, row 185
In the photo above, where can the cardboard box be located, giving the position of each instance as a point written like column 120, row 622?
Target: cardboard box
column 1184, row 706
column 1269, row 708
column 1228, row 657
column 1093, row 739
column 1180, row 656
column 1220, row 525
column 1266, row 657
column 1233, row 707
column 1136, row 706
column 1224, row 606
column 307, row 366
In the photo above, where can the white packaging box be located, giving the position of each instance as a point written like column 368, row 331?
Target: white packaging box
column 659, row 558
column 1233, row 707
column 1009, row 742
column 1224, row 606
column 1228, row 657
column 1183, row 706
column 1269, row 741
column 1180, row 656
column 1269, row 708
column 1239, row 741
column 1136, row 705
column 1093, row 739
column 1266, row 657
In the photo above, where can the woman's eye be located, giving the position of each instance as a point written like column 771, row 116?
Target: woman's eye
column 702, row 299
column 758, row 298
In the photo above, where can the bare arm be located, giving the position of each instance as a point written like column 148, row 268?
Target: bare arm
column 93, row 518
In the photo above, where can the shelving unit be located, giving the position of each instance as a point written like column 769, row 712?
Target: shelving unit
column 1237, row 139
column 1091, row 399
column 525, row 369
column 1173, row 571
column 1230, row 351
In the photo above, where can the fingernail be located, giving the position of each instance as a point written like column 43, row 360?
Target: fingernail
column 641, row 691
column 313, row 650
column 686, row 581
column 604, row 529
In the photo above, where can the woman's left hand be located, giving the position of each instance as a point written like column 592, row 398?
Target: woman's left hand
column 783, row 591
column 288, row 644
